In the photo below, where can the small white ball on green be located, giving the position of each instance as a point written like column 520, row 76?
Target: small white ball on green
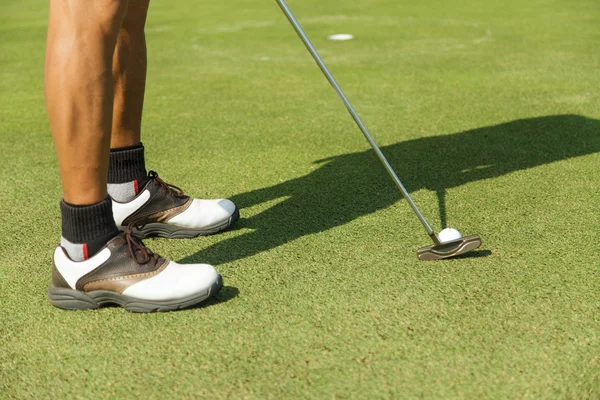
column 449, row 234
column 340, row 36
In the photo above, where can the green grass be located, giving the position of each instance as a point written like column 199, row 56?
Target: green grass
column 490, row 113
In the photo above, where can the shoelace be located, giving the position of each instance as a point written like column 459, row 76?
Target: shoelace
column 177, row 192
column 140, row 253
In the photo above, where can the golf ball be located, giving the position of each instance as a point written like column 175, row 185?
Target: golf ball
column 449, row 234
column 340, row 36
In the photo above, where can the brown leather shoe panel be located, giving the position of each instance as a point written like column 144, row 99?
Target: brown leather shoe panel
column 161, row 201
column 120, row 283
column 164, row 216
column 119, row 264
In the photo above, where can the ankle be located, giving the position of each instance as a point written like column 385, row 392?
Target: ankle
column 126, row 172
column 86, row 229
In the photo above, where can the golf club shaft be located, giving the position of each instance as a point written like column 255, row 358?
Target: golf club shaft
column 290, row 16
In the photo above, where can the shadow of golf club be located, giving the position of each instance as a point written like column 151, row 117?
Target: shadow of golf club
column 349, row 186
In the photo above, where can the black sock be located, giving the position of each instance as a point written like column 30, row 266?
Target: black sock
column 126, row 172
column 86, row 229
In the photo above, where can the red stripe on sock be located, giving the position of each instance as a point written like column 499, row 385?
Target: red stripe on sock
column 135, row 186
column 85, row 251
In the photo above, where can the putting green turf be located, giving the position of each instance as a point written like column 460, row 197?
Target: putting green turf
column 489, row 111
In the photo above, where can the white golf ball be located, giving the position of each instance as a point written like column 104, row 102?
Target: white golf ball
column 340, row 36
column 449, row 234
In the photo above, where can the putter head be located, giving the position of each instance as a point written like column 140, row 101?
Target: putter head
column 449, row 249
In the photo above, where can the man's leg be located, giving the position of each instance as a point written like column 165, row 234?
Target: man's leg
column 129, row 73
column 79, row 92
column 79, row 98
column 95, row 264
column 172, row 214
column 127, row 171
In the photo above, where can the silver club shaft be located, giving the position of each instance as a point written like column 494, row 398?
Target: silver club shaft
column 290, row 16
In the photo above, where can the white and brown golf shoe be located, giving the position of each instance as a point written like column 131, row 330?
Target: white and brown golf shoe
column 128, row 274
column 167, row 212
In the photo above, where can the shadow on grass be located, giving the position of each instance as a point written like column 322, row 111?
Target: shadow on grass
column 343, row 188
column 226, row 294
column 475, row 254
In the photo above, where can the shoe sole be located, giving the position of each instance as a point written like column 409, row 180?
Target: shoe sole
column 164, row 230
column 69, row 299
